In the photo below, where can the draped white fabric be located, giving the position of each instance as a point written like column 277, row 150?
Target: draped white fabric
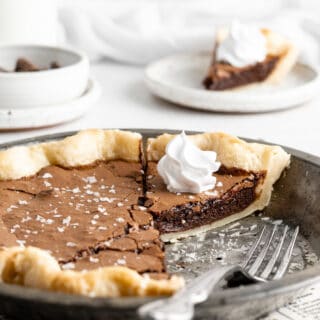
column 138, row 32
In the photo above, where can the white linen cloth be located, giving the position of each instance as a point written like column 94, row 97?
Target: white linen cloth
column 138, row 32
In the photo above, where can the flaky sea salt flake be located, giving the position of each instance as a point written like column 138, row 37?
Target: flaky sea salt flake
column 26, row 219
column 71, row 244
column 66, row 220
column 90, row 179
column 93, row 260
column 101, row 209
column 68, row 266
column 121, row 262
column 47, row 184
column 21, row 243
column 47, row 175
column 107, row 199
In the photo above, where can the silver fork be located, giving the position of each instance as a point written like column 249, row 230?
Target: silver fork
column 257, row 266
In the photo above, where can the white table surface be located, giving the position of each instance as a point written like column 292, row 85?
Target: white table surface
column 126, row 103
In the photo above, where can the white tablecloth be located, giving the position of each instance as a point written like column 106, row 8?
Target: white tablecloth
column 126, row 103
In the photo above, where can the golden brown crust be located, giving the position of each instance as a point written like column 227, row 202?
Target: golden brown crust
column 36, row 268
column 232, row 152
column 83, row 148
column 287, row 52
column 278, row 46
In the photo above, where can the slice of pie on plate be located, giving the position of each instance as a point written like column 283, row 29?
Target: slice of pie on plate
column 86, row 215
column 238, row 61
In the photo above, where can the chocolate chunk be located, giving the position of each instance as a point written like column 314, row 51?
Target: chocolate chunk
column 24, row 65
column 55, row 65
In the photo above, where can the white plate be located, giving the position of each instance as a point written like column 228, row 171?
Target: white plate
column 179, row 78
column 45, row 116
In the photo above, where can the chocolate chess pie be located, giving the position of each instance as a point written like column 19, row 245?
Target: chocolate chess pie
column 88, row 214
column 238, row 60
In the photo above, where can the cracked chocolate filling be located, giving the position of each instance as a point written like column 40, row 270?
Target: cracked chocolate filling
column 91, row 216
column 86, row 217
column 223, row 76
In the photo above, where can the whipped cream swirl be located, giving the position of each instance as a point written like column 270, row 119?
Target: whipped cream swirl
column 186, row 168
column 244, row 45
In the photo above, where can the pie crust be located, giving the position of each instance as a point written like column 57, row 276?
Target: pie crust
column 287, row 52
column 81, row 149
column 34, row 267
column 232, row 152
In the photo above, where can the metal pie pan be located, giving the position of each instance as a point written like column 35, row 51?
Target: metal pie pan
column 294, row 200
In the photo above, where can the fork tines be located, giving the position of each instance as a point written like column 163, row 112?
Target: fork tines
column 269, row 256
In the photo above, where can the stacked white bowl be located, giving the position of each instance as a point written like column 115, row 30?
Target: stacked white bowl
column 50, row 96
column 45, row 87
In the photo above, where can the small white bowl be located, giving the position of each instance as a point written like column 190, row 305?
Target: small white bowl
column 20, row 90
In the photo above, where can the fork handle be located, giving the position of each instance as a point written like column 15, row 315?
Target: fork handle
column 181, row 305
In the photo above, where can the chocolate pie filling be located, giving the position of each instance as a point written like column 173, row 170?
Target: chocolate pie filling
column 77, row 213
column 224, row 76
column 92, row 216
column 235, row 190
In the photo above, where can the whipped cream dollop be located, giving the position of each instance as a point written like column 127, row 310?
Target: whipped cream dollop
column 244, row 45
column 186, row 168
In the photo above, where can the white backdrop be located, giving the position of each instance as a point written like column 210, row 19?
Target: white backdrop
column 141, row 31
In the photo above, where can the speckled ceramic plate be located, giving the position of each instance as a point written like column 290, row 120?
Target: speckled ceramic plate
column 49, row 115
column 178, row 79
column 295, row 201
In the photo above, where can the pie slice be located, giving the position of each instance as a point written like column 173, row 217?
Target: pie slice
column 70, row 218
column 244, row 185
column 281, row 57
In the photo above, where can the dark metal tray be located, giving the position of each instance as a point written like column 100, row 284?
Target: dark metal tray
column 295, row 200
